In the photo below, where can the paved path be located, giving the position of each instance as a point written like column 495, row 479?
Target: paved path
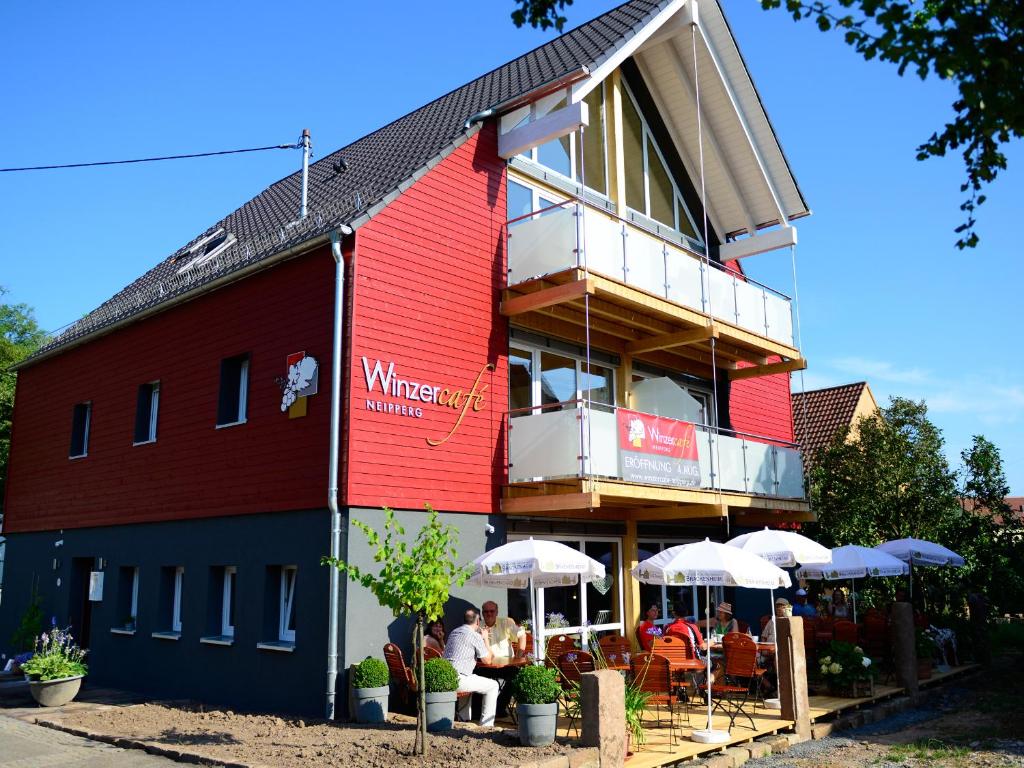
column 23, row 745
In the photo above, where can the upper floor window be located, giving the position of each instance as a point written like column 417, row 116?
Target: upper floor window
column 80, row 421
column 548, row 378
column 650, row 189
column 146, row 407
column 585, row 164
column 234, row 390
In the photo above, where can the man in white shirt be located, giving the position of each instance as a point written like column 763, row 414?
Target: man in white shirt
column 466, row 645
column 506, row 637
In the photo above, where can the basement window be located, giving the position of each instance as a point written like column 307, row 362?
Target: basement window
column 80, row 420
column 234, row 390
column 146, row 407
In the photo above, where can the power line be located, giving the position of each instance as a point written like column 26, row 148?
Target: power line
column 149, row 159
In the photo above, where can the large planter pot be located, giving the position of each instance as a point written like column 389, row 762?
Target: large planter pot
column 441, row 710
column 55, row 693
column 371, row 704
column 537, row 723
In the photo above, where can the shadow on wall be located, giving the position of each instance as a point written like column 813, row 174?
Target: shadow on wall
column 400, row 631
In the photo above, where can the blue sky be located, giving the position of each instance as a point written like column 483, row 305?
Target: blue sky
column 884, row 294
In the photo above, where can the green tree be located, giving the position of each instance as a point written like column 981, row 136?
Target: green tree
column 20, row 336
column 891, row 482
column 412, row 581
column 976, row 44
column 990, row 536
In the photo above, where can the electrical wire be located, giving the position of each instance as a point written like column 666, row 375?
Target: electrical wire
column 149, row 159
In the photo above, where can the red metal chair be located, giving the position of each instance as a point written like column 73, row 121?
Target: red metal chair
column 846, row 631
column 823, row 634
column 652, row 674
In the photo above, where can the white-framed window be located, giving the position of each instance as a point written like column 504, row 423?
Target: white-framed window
column 543, row 377
column 234, row 390
column 179, row 583
column 227, row 604
column 134, row 609
column 703, row 395
column 81, row 419
column 651, row 191
column 286, row 607
column 587, row 165
column 147, row 407
column 597, row 606
column 523, row 199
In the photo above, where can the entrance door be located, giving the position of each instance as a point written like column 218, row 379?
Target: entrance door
column 80, row 607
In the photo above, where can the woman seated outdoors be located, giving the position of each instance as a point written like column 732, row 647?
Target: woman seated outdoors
column 725, row 623
column 434, row 635
column 840, row 606
column 647, row 629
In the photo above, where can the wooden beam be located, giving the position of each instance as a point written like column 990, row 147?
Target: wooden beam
column 670, row 340
column 525, row 505
column 547, row 297
column 770, row 518
column 786, row 366
column 544, row 129
column 679, row 512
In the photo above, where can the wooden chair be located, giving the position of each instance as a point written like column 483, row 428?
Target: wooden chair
column 681, row 655
column 846, row 631
column 652, row 674
column 571, row 666
column 823, row 632
column 615, row 649
column 741, row 677
column 556, row 646
column 430, row 652
column 401, row 674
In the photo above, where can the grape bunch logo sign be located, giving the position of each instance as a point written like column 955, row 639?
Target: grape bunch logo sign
column 657, row 451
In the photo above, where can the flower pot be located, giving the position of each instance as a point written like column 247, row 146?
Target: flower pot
column 440, row 710
column 371, row 704
column 55, row 693
column 537, row 723
column 924, row 669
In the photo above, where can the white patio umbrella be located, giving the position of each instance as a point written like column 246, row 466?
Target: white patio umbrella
column 708, row 562
column 784, row 549
column 534, row 564
column 921, row 552
column 855, row 562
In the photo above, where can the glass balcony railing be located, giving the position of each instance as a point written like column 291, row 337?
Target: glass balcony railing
column 572, row 439
column 574, row 235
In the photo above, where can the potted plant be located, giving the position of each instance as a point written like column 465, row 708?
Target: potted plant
column 537, row 691
column 56, row 669
column 441, row 682
column 846, row 669
column 636, row 701
column 370, row 690
column 925, row 647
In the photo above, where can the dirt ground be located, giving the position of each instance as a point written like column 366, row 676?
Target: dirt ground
column 293, row 743
column 976, row 722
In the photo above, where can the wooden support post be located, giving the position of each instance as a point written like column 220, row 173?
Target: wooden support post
column 791, row 666
column 624, row 382
column 616, row 160
column 631, row 589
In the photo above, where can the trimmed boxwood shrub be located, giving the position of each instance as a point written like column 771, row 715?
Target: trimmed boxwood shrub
column 370, row 673
column 439, row 676
column 536, row 685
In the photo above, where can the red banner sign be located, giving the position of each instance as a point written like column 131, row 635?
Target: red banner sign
column 657, row 450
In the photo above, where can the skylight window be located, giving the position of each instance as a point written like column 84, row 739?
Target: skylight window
column 207, row 248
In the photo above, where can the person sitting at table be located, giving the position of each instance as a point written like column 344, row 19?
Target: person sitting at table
column 648, row 630
column 782, row 610
column 466, row 645
column 507, row 638
column 434, row 635
column 802, row 607
column 840, row 606
column 725, row 623
column 769, row 681
column 684, row 627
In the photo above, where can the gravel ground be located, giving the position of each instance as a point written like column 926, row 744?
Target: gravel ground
column 973, row 723
column 292, row 743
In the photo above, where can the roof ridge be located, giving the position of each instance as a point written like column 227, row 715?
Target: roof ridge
column 834, row 386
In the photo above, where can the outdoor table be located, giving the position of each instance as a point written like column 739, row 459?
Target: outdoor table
column 761, row 648
column 502, row 669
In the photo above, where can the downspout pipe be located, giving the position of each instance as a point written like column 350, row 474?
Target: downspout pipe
column 332, row 469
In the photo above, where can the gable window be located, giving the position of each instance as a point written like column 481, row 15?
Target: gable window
column 80, row 419
column 286, row 613
column 147, row 405
column 234, row 390
column 586, row 164
column 650, row 189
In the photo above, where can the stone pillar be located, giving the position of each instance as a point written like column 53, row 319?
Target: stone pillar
column 603, row 702
column 792, row 670
column 902, row 635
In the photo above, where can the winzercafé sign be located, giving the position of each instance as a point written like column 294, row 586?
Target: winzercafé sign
column 657, row 451
column 405, row 397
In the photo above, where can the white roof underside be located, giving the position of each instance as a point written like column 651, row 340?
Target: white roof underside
column 747, row 177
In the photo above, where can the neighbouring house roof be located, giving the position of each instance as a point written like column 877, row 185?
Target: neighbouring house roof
column 819, row 413
column 384, row 163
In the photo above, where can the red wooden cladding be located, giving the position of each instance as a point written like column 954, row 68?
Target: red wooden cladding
column 428, row 271
column 270, row 463
column 761, row 406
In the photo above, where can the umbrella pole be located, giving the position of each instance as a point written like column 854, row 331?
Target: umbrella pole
column 774, row 702
column 853, row 597
column 707, row 605
column 533, row 614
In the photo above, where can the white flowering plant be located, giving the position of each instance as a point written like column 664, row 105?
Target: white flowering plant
column 556, row 621
column 845, row 664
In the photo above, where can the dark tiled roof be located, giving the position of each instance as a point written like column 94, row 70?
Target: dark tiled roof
column 820, row 413
column 377, row 165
